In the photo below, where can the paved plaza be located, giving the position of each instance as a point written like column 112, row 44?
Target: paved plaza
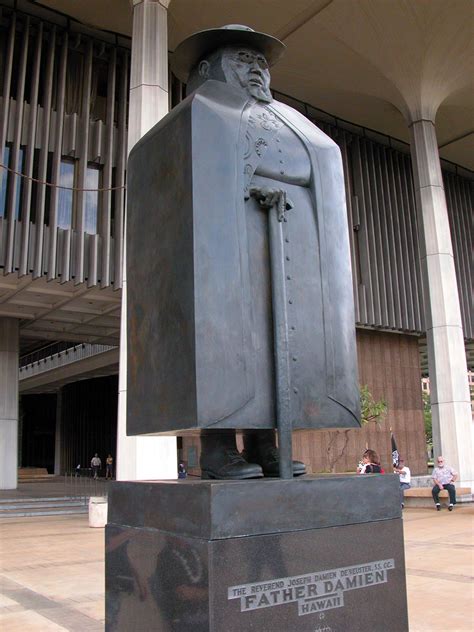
column 52, row 573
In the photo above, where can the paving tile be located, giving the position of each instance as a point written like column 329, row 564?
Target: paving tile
column 439, row 560
column 6, row 601
column 16, row 608
column 93, row 609
column 31, row 621
column 54, row 611
column 53, row 573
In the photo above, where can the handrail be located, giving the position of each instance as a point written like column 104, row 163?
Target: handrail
column 60, row 350
column 81, row 486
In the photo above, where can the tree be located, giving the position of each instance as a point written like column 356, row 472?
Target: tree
column 427, row 417
column 372, row 411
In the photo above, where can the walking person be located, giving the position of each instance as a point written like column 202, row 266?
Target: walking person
column 405, row 479
column 444, row 477
column 109, row 465
column 96, row 464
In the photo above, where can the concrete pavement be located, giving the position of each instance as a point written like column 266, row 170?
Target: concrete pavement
column 52, row 573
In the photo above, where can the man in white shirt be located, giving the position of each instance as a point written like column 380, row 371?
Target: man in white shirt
column 443, row 478
column 405, row 478
column 96, row 464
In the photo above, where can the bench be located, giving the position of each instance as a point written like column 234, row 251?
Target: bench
column 421, row 496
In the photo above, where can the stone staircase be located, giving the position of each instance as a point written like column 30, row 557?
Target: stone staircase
column 31, row 507
column 34, row 475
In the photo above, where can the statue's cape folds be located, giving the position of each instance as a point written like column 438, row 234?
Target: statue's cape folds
column 191, row 354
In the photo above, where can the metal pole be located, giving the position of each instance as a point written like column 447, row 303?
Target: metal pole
column 280, row 329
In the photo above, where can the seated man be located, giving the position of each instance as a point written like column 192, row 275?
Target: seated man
column 443, row 478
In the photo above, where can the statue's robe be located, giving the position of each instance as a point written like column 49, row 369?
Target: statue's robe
column 200, row 343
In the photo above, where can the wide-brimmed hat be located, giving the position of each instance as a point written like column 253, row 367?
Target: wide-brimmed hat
column 191, row 50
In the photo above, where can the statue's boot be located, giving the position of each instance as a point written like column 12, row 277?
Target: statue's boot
column 220, row 458
column 260, row 447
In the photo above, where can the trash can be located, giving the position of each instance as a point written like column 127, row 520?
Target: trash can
column 97, row 511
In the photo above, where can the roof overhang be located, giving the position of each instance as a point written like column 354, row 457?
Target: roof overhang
column 361, row 61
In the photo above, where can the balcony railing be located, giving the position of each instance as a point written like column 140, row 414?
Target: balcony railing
column 57, row 355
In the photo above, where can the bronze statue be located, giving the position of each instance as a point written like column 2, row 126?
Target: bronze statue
column 239, row 283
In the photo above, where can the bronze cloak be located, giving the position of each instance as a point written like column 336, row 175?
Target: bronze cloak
column 191, row 339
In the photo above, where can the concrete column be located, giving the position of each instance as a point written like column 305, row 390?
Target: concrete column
column 57, row 434
column 149, row 67
column 450, row 399
column 144, row 457
column 9, row 356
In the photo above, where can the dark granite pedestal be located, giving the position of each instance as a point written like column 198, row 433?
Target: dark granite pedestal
column 313, row 555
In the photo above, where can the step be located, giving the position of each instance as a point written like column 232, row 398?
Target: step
column 32, row 472
column 45, row 506
column 46, row 478
column 44, row 512
column 36, row 500
column 40, row 504
column 45, row 499
column 425, row 492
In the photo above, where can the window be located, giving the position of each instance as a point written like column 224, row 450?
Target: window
column 93, row 180
column 34, row 186
column 4, row 181
column 49, row 176
column 19, row 182
column 74, row 79
column 3, row 52
column 98, row 103
column 66, row 196
column 113, row 201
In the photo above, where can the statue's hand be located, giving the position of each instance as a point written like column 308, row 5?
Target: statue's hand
column 266, row 196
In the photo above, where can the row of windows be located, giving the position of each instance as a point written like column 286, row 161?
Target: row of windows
column 67, row 198
column 75, row 73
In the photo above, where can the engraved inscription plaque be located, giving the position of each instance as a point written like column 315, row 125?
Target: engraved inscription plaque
column 312, row 592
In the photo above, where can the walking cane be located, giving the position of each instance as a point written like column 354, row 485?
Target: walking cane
column 276, row 216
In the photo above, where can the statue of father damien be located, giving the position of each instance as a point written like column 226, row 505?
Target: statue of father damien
column 240, row 304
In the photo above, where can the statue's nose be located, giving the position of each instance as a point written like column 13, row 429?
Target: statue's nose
column 256, row 72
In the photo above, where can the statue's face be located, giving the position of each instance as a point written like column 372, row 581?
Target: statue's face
column 244, row 68
column 248, row 69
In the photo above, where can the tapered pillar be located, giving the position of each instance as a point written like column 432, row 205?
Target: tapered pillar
column 57, row 434
column 144, row 457
column 9, row 355
column 450, row 400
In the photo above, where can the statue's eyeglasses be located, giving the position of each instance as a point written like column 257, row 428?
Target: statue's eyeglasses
column 250, row 58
